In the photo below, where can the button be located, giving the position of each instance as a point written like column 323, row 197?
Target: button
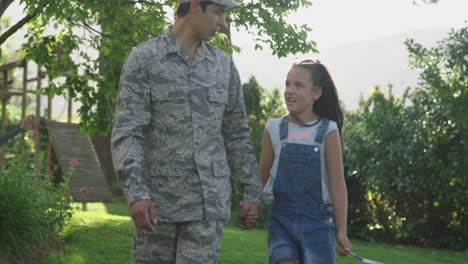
column 316, row 149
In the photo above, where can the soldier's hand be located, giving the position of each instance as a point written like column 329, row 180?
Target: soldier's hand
column 248, row 214
column 143, row 214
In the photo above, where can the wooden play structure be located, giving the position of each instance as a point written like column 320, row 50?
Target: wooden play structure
column 64, row 142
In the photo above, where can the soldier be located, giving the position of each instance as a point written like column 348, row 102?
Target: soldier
column 179, row 132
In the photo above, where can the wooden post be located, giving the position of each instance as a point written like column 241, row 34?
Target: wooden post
column 25, row 87
column 3, row 125
column 38, row 95
column 38, row 118
column 49, row 142
column 70, row 107
column 2, row 131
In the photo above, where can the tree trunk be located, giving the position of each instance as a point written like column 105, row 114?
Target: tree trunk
column 102, row 144
column 4, row 4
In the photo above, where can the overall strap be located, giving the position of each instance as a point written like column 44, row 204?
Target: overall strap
column 284, row 128
column 322, row 130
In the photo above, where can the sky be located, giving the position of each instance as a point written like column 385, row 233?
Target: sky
column 338, row 23
column 342, row 24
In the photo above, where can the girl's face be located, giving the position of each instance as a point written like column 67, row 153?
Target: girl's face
column 300, row 92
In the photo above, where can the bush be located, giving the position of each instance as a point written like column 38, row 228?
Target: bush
column 31, row 210
column 407, row 159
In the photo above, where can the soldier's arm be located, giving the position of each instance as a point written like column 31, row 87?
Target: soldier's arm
column 236, row 135
column 132, row 115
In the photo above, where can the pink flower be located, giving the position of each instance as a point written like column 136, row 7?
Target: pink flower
column 74, row 162
column 84, row 192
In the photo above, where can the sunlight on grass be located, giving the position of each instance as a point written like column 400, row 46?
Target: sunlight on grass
column 95, row 236
column 243, row 246
column 103, row 234
column 92, row 207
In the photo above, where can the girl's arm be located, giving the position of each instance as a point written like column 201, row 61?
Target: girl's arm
column 266, row 159
column 339, row 195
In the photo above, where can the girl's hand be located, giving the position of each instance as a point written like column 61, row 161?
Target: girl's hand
column 248, row 214
column 343, row 246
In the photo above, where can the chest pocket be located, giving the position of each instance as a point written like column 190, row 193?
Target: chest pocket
column 218, row 88
column 216, row 101
column 300, row 167
column 169, row 105
column 217, row 94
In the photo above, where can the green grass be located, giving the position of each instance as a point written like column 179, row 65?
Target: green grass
column 103, row 234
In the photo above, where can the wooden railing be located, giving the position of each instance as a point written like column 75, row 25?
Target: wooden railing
column 7, row 90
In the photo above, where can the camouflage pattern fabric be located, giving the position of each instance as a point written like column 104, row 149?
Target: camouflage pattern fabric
column 195, row 242
column 180, row 130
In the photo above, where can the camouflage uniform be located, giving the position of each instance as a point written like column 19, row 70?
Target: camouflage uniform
column 180, row 131
column 195, row 242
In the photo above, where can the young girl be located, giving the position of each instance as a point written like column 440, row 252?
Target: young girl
column 301, row 169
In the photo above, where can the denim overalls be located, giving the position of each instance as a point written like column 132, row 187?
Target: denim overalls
column 301, row 225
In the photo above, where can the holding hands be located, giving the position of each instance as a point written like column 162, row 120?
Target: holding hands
column 248, row 214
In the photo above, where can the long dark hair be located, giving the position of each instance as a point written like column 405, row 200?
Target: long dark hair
column 328, row 105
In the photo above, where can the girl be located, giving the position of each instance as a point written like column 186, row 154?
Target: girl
column 301, row 169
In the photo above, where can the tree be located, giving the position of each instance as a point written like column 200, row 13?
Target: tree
column 407, row 157
column 261, row 105
column 112, row 27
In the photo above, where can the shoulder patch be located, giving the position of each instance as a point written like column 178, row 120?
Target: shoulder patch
column 122, row 103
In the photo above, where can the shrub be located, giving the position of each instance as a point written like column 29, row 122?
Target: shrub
column 31, row 210
column 407, row 158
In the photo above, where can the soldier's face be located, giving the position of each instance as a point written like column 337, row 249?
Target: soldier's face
column 208, row 23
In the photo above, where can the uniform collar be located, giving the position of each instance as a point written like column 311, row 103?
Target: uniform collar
column 172, row 47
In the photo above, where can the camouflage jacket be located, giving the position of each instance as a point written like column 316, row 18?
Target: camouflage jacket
column 180, row 130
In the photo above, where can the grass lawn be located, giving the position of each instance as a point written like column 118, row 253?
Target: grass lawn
column 103, row 233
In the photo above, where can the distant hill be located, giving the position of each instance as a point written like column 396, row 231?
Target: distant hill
column 358, row 67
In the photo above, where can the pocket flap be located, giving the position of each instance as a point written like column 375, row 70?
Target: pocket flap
column 167, row 92
column 217, row 95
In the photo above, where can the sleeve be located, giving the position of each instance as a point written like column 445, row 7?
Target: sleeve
column 269, row 126
column 331, row 126
column 236, row 134
column 132, row 115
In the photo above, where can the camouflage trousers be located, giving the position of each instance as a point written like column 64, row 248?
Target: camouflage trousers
column 194, row 242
